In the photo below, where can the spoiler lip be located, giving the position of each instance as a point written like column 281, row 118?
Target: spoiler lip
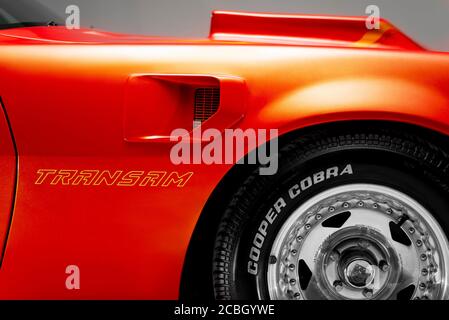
column 306, row 29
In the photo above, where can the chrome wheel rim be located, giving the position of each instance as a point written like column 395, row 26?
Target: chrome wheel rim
column 359, row 242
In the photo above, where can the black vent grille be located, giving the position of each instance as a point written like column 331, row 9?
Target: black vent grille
column 207, row 101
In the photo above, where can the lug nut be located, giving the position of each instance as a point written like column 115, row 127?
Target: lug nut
column 423, row 257
column 368, row 293
column 360, row 204
column 384, row 266
column 291, row 267
column 297, row 295
column 331, row 209
column 338, row 285
column 345, row 205
column 389, row 211
column 375, row 205
column 308, row 226
column 424, row 272
column 292, row 282
column 422, row 286
column 294, row 252
column 318, row 217
column 411, row 230
column 419, row 243
column 299, row 238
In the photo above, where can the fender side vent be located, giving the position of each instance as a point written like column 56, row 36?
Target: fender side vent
column 207, row 101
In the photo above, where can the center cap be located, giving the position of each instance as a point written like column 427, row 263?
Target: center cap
column 359, row 273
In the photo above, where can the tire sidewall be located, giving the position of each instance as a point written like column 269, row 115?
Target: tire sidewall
column 301, row 180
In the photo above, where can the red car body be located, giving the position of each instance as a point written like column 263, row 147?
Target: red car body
column 79, row 103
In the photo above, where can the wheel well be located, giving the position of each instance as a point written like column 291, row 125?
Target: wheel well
column 196, row 279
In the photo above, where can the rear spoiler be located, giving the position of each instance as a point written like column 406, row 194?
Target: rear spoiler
column 306, row 29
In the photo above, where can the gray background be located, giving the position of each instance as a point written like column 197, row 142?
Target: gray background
column 427, row 21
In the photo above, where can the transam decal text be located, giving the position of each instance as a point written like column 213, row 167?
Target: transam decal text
column 66, row 177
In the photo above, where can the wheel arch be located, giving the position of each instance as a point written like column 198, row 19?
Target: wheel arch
column 196, row 278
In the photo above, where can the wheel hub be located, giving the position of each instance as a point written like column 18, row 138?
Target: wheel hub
column 359, row 273
column 351, row 264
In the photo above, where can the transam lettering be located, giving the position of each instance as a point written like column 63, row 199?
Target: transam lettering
column 153, row 178
column 85, row 177
column 108, row 178
column 64, row 177
column 120, row 178
column 175, row 178
column 43, row 174
column 130, row 179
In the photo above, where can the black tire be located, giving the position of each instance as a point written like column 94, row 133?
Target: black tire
column 393, row 158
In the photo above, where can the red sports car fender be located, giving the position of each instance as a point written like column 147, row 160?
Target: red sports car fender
column 65, row 94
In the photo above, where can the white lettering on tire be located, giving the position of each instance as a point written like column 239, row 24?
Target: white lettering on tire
column 280, row 204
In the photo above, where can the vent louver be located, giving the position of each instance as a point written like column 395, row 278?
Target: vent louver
column 207, row 101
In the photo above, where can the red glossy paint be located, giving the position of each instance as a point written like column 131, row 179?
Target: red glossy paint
column 66, row 94
column 306, row 29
